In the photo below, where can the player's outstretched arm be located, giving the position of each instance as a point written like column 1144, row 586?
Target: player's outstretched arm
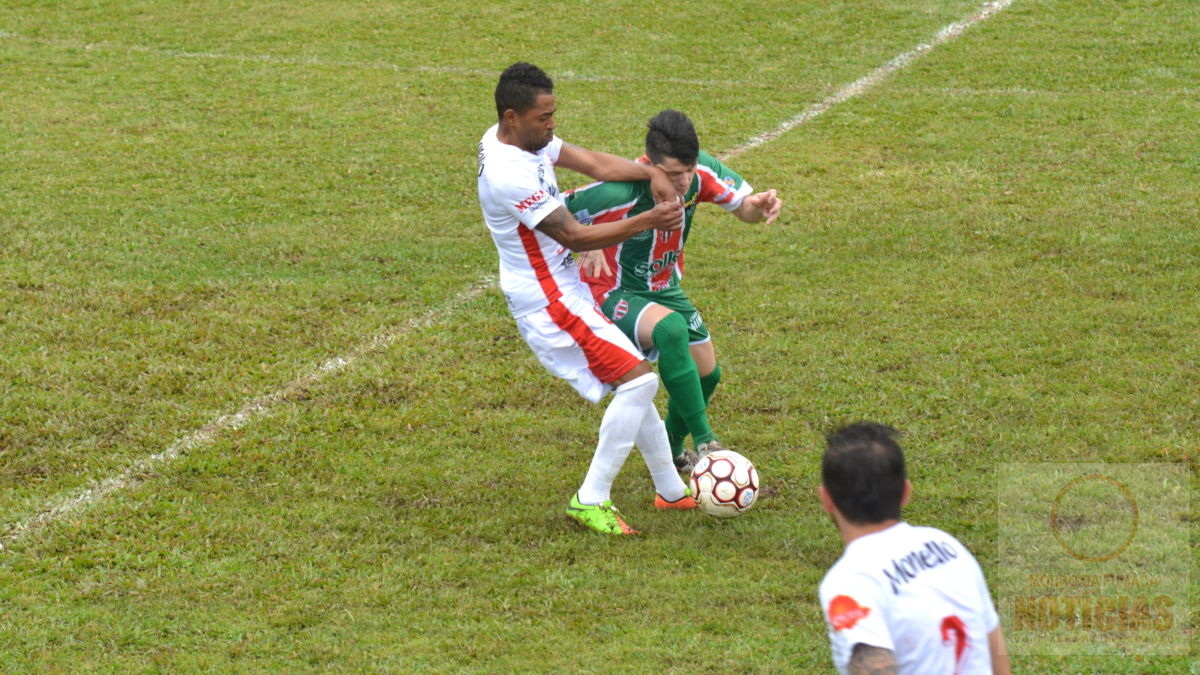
column 999, row 652
column 606, row 167
column 759, row 207
column 869, row 660
column 562, row 227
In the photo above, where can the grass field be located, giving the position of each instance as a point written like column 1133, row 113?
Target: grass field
column 263, row 409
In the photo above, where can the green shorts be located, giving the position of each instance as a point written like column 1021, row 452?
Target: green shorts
column 624, row 308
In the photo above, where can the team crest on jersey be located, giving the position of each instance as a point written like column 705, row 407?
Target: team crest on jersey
column 844, row 612
column 620, row 310
column 585, row 217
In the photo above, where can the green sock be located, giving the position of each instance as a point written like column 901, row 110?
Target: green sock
column 709, row 383
column 677, row 429
column 685, row 407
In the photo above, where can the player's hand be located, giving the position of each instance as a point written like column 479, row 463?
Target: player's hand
column 667, row 216
column 593, row 263
column 768, row 204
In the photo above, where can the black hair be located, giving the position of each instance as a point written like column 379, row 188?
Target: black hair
column 863, row 472
column 671, row 134
column 519, row 86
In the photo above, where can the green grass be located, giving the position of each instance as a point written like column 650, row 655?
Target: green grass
column 993, row 249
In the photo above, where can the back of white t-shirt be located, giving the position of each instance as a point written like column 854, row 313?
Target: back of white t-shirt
column 916, row 591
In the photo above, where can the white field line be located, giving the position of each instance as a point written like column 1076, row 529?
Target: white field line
column 996, row 92
column 109, row 46
column 563, row 76
column 252, row 410
column 259, row 407
column 873, row 78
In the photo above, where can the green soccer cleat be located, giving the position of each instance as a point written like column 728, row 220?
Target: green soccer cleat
column 599, row 517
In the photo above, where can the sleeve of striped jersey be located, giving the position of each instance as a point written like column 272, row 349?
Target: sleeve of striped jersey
column 607, row 202
column 719, row 184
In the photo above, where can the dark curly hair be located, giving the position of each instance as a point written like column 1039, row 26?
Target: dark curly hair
column 519, row 86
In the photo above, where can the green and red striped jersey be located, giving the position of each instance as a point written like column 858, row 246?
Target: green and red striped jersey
column 651, row 260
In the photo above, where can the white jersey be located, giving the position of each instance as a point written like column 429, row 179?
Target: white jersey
column 517, row 189
column 916, row 591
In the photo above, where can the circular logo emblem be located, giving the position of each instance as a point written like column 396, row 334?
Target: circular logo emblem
column 1090, row 515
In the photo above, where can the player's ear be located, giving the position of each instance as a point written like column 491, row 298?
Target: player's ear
column 907, row 492
column 826, row 500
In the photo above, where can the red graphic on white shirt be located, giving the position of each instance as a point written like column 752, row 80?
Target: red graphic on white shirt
column 955, row 631
column 844, row 612
column 530, row 201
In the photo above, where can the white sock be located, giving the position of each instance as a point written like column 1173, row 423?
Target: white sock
column 618, row 429
column 656, row 451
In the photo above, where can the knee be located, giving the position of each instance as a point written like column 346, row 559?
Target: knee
column 642, row 372
column 670, row 331
column 645, row 386
column 714, row 377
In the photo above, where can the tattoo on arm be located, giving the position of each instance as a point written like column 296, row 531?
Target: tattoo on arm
column 554, row 225
column 868, row 660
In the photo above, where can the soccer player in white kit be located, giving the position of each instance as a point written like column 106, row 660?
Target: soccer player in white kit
column 901, row 599
column 554, row 310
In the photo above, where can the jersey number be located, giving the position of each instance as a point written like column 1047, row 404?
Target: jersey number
column 954, row 632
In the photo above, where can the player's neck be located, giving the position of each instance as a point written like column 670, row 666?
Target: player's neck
column 852, row 531
column 510, row 139
column 505, row 138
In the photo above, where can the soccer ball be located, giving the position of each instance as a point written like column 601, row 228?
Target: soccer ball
column 725, row 484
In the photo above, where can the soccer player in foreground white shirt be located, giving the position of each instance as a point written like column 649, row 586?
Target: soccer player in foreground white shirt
column 554, row 310
column 901, row 599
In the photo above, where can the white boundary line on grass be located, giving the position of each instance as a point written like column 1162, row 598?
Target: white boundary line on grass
column 262, row 405
column 106, row 45
column 252, row 410
column 876, row 76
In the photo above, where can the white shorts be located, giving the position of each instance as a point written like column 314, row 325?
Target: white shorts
column 577, row 343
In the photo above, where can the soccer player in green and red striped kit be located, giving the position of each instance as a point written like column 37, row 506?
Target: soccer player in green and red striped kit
column 636, row 282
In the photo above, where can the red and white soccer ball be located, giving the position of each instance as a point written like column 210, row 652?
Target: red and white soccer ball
column 724, row 483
